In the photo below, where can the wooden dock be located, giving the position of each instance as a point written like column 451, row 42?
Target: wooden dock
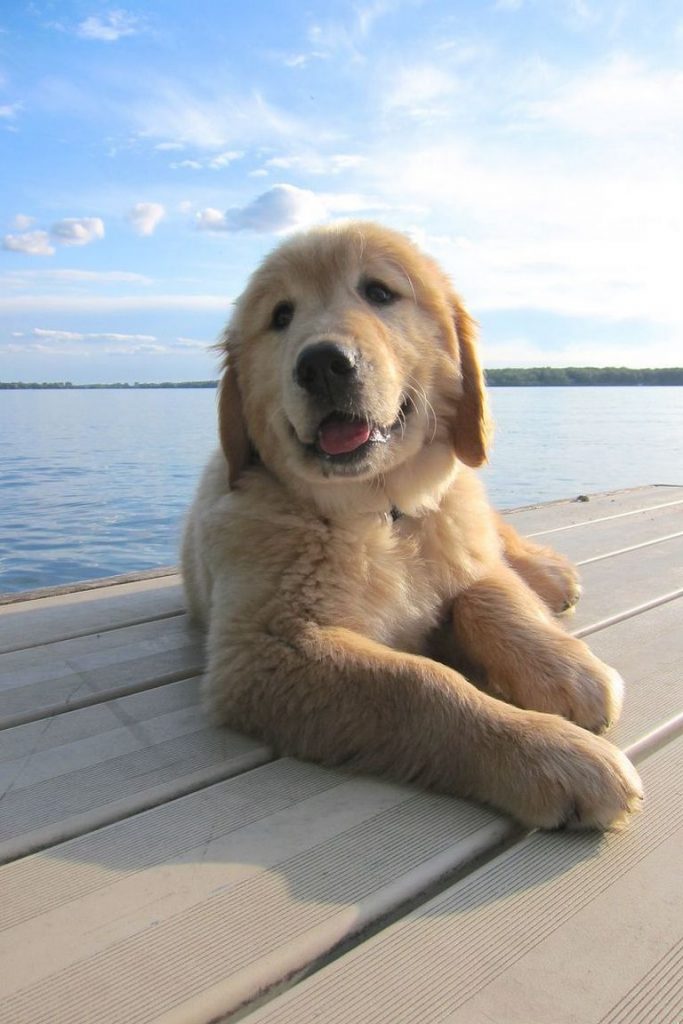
column 158, row 869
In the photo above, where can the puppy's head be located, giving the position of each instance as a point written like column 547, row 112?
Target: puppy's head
column 349, row 355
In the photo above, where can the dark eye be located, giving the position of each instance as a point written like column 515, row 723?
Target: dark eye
column 282, row 316
column 378, row 294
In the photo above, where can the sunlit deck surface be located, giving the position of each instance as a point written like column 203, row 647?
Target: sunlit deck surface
column 156, row 868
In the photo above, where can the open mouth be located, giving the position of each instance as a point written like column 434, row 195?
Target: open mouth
column 342, row 437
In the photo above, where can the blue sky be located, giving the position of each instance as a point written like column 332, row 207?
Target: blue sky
column 151, row 153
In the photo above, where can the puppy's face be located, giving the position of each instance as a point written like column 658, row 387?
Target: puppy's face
column 345, row 355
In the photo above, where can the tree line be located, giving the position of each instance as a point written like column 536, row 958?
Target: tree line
column 582, row 376
column 527, row 376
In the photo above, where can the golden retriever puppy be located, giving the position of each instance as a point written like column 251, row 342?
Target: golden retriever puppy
column 347, row 565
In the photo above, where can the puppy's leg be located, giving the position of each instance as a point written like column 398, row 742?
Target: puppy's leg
column 548, row 573
column 332, row 696
column 528, row 659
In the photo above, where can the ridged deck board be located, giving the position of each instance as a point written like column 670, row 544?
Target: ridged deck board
column 614, row 585
column 648, row 651
column 538, row 520
column 30, row 623
column 70, row 673
column 596, row 540
column 83, row 758
column 563, row 928
column 180, row 897
column 238, row 909
column 86, row 768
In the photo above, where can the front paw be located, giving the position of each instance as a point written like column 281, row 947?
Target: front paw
column 555, row 580
column 589, row 692
column 560, row 676
column 573, row 779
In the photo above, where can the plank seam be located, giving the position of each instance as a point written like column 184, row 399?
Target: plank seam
column 94, row 630
column 605, row 519
column 54, row 834
column 654, row 740
column 629, row 613
column 624, row 861
column 633, row 547
column 82, row 586
column 51, row 711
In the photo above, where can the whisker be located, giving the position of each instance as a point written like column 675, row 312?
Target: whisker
column 408, row 279
column 416, row 389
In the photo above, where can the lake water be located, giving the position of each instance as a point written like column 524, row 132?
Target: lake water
column 96, row 482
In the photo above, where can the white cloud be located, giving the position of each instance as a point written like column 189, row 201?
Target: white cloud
column 21, row 279
column 210, row 219
column 572, row 204
column 191, row 343
column 45, row 334
column 22, row 222
column 33, row 243
column 621, row 97
column 347, row 39
column 286, row 208
column 109, row 27
column 79, row 303
column 219, row 120
column 77, row 230
column 350, row 203
column 280, row 209
column 224, row 159
column 316, row 163
column 421, row 91
column 520, row 351
column 47, row 341
column 214, row 163
column 334, row 38
column 70, row 231
column 300, row 60
column 593, row 242
column 145, row 217
column 8, row 111
column 369, row 13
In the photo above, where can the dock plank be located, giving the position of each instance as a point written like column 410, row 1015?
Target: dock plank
column 29, row 623
column 145, row 757
column 237, row 911
column 83, row 756
column 597, row 539
column 648, row 651
column 38, row 681
column 613, row 585
column 539, row 520
column 176, row 897
column 321, row 862
column 139, row 714
column 560, row 928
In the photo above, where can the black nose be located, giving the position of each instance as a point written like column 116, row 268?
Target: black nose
column 326, row 370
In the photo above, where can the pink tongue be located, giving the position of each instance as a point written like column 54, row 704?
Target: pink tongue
column 338, row 436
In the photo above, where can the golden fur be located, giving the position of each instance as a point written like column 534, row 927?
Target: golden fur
column 339, row 631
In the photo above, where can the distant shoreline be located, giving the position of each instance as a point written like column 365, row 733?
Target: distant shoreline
column 536, row 376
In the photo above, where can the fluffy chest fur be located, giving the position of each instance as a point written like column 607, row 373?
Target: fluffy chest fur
column 386, row 580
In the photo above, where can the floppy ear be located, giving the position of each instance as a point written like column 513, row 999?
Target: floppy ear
column 232, row 428
column 471, row 430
